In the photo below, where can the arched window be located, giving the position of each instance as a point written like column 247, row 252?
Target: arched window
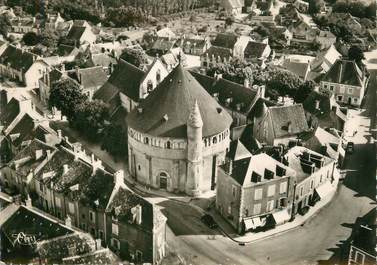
column 205, row 142
column 168, row 145
column 146, row 140
column 214, row 140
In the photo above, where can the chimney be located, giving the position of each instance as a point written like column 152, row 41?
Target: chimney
column 77, row 69
column 68, row 221
column 137, row 214
column 246, row 83
column 77, row 150
column 48, row 154
column 25, row 105
column 230, row 169
column 96, row 163
column 65, row 169
column 59, row 134
column 98, row 244
column 289, row 127
column 119, row 178
column 262, row 91
column 28, row 201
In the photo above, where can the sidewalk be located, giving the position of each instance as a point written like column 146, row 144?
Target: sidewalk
column 299, row 221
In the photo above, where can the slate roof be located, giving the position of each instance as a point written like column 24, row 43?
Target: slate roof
column 255, row 49
column 228, row 89
column 75, row 33
column 17, row 58
column 23, row 127
column 217, row 51
column 174, row 98
column 344, row 72
column 197, row 43
column 243, row 169
column 225, row 40
column 126, row 78
column 33, row 223
column 237, row 151
column 292, row 115
column 163, row 44
column 9, row 112
column 90, row 78
column 321, row 138
column 102, row 59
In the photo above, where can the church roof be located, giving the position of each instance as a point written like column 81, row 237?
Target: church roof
column 166, row 110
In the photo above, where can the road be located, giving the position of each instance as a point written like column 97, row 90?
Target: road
column 323, row 239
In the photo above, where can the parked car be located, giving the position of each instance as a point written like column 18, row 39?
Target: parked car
column 350, row 148
column 209, row 221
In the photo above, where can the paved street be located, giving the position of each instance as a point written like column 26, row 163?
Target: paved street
column 321, row 239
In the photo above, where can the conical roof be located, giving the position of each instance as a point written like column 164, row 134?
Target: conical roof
column 165, row 112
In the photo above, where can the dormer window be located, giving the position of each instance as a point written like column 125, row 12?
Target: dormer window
column 158, row 76
column 149, row 86
column 255, row 177
column 268, row 174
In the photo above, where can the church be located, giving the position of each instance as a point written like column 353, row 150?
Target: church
column 177, row 136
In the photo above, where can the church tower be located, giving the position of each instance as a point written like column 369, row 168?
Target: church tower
column 194, row 151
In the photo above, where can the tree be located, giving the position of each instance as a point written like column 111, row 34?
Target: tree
column 115, row 141
column 90, row 118
column 229, row 21
column 315, row 6
column 303, row 91
column 49, row 38
column 356, row 53
column 66, row 95
column 134, row 56
column 30, row 38
column 4, row 25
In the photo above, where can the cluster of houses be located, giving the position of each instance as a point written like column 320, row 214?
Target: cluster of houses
column 62, row 182
column 187, row 133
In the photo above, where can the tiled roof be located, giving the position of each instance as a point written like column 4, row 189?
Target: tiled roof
column 174, row 98
column 163, row 44
column 66, row 50
column 227, row 89
column 90, row 78
column 299, row 68
column 126, row 78
column 225, row 40
column 56, row 249
column 217, row 51
column 320, row 139
column 29, row 151
column 255, row 49
column 197, row 43
column 9, row 112
column 103, row 60
column 344, row 72
column 125, row 200
column 17, row 58
column 288, row 120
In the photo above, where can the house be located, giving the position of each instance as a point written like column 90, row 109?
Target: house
column 323, row 62
column 257, row 52
column 304, row 29
column 261, row 7
column 238, row 100
column 166, row 33
column 76, row 188
column 225, row 40
column 174, row 57
column 315, row 177
column 128, row 217
column 195, row 46
column 102, row 256
column 52, row 21
column 25, row 67
column 232, row 7
column 46, row 82
column 81, row 32
column 216, row 55
column 325, row 38
column 22, row 25
column 89, row 79
column 300, row 68
column 254, row 191
column 105, row 60
column 33, row 236
column 346, row 81
column 328, row 113
column 240, row 47
column 363, row 245
column 302, row 6
column 67, row 53
column 279, row 124
column 161, row 46
column 128, row 85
